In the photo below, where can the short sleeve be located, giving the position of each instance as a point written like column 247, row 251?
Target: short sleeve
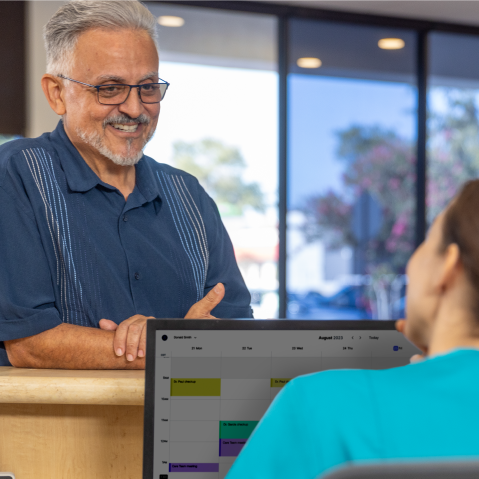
column 223, row 268
column 26, row 290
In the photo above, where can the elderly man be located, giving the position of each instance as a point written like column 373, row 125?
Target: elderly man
column 95, row 237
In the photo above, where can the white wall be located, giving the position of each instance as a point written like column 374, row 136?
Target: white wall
column 40, row 117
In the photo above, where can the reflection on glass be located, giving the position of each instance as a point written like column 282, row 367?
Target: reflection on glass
column 453, row 120
column 6, row 138
column 219, row 123
column 351, row 212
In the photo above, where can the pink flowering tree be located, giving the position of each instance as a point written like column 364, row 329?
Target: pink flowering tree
column 453, row 155
column 383, row 163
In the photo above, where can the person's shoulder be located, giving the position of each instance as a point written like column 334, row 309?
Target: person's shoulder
column 337, row 382
column 456, row 364
column 165, row 169
column 169, row 176
column 18, row 145
column 21, row 148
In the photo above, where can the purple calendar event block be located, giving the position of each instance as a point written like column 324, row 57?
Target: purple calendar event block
column 195, row 467
column 231, row 447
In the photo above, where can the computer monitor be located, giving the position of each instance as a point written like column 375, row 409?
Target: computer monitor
column 209, row 382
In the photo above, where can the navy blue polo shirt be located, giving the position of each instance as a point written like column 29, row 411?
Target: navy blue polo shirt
column 73, row 250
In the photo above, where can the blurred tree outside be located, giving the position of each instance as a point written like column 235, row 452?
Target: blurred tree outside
column 453, row 148
column 219, row 168
column 381, row 163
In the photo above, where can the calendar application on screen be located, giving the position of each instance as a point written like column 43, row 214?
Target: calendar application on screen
column 213, row 387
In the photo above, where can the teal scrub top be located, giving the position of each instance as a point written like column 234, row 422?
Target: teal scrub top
column 428, row 409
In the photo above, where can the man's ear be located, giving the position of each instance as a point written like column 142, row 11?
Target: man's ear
column 53, row 88
column 450, row 268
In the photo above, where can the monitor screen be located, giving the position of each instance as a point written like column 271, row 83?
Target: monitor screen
column 212, row 386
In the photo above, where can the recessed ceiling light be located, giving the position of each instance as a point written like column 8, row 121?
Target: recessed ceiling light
column 391, row 43
column 309, row 62
column 170, row 21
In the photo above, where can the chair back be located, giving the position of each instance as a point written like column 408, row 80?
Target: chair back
column 407, row 470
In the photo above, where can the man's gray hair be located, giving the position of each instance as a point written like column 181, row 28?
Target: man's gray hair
column 74, row 18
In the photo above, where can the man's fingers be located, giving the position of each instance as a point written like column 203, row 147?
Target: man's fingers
column 107, row 325
column 130, row 337
column 119, row 342
column 142, row 344
column 203, row 308
column 121, row 334
column 133, row 340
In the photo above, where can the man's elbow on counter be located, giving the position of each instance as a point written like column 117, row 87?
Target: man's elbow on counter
column 19, row 354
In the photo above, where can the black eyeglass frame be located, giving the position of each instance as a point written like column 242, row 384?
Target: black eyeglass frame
column 97, row 88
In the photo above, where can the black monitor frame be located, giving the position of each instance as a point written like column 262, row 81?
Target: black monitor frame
column 154, row 325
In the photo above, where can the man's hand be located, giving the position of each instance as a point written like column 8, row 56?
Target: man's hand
column 202, row 309
column 401, row 327
column 130, row 336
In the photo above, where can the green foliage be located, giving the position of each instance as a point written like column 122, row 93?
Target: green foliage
column 360, row 140
column 382, row 163
column 219, row 169
column 453, row 149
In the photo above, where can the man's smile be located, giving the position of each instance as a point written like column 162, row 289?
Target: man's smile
column 128, row 127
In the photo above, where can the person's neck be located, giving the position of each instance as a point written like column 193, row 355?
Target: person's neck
column 452, row 329
column 123, row 178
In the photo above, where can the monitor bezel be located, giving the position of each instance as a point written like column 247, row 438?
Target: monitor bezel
column 154, row 325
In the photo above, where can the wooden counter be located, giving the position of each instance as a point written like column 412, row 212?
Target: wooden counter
column 60, row 424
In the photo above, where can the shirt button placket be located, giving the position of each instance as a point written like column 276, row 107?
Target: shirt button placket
column 136, row 275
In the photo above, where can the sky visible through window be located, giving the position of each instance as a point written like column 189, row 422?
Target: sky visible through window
column 236, row 106
column 319, row 107
column 239, row 108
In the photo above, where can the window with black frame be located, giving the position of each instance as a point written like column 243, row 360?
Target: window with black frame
column 352, row 120
column 219, row 122
column 352, row 101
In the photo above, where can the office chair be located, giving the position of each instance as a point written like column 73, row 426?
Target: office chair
column 466, row 469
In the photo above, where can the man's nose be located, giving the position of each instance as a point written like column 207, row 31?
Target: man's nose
column 132, row 106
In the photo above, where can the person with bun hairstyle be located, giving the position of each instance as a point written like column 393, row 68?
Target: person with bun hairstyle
column 425, row 410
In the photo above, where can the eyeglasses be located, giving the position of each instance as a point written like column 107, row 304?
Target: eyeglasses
column 118, row 93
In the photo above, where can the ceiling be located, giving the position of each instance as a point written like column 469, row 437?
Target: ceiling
column 244, row 40
column 450, row 11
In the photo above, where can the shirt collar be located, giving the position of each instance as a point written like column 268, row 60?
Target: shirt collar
column 80, row 177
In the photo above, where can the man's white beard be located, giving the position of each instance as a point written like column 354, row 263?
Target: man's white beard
column 96, row 141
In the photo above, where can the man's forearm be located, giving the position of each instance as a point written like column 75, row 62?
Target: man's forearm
column 68, row 346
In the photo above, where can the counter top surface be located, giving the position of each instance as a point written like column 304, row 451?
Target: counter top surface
column 60, row 386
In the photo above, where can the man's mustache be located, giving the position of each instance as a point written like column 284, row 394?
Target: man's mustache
column 126, row 120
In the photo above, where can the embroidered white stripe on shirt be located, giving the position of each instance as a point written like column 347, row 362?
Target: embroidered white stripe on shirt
column 189, row 226
column 56, row 214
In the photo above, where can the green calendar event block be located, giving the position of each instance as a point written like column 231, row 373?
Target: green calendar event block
column 237, row 429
